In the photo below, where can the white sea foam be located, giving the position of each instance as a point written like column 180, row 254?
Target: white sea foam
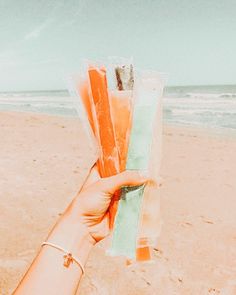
column 202, row 111
column 211, row 95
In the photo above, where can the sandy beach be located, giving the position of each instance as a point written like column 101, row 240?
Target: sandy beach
column 43, row 162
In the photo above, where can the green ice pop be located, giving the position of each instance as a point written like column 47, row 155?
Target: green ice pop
column 127, row 218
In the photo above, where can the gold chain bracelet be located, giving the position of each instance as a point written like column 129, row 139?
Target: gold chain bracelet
column 68, row 257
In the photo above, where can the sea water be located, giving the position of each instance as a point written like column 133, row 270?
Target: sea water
column 201, row 106
column 54, row 102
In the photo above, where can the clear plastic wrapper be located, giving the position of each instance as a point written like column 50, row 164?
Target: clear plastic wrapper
column 78, row 87
column 150, row 221
column 120, row 80
column 131, row 223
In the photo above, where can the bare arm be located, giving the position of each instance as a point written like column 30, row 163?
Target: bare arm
column 85, row 222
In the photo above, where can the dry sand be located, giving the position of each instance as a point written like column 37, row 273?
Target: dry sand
column 43, row 161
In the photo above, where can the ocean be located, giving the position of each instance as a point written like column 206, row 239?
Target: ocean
column 201, row 106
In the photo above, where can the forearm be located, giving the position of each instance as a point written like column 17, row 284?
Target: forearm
column 84, row 222
column 47, row 274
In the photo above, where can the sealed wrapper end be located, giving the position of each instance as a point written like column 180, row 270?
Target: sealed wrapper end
column 129, row 219
column 144, row 252
column 109, row 159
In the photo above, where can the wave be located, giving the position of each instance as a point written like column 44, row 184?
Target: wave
column 200, row 111
column 210, row 95
column 35, row 100
column 32, row 94
column 65, row 105
column 200, row 102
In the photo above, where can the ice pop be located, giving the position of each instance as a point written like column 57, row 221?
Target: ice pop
column 109, row 160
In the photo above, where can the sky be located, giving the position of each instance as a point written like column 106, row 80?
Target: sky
column 43, row 41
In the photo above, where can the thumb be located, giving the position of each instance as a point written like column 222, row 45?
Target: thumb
column 126, row 178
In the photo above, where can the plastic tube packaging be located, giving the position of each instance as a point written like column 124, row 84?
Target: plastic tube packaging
column 148, row 89
column 150, row 219
column 78, row 88
column 109, row 114
column 120, row 80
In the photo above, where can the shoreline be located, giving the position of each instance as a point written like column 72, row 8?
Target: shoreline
column 227, row 133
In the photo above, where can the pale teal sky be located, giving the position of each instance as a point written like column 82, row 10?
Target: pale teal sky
column 42, row 42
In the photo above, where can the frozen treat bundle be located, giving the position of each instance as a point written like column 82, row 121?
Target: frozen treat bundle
column 124, row 112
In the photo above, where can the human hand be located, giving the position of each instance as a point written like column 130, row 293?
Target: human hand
column 91, row 205
column 84, row 222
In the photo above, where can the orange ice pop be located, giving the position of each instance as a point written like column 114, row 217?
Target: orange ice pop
column 109, row 159
column 143, row 251
column 143, row 254
column 121, row 103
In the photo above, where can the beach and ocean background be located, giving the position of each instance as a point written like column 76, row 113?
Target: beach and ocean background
column 209, row 106
column 46, row 155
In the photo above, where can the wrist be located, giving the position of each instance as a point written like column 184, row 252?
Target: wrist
column 73, row 237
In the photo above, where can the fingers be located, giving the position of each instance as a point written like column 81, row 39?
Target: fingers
column 126, row 178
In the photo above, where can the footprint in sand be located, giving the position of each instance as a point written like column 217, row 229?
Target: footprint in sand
column 206, row 220
column 213, row 291
column 158, row 253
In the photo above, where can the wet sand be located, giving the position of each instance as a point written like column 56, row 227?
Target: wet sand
column 43, row 162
